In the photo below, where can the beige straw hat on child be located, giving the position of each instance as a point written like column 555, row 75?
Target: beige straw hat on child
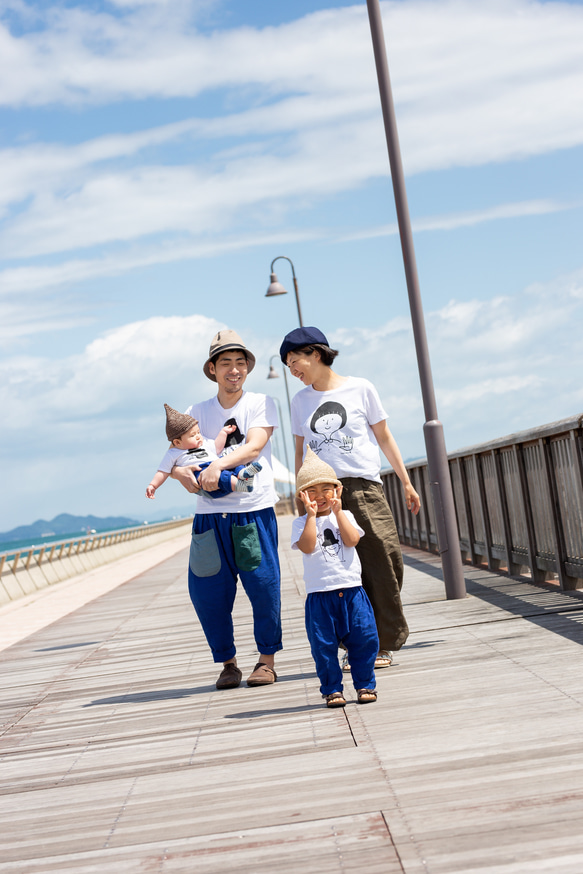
column 313, row 472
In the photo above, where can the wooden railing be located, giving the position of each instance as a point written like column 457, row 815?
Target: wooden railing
column 518, row 500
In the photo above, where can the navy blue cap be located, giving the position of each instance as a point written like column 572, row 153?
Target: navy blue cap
column 299, row 338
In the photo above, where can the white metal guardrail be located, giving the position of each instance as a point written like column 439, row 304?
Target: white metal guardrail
column 25, row 571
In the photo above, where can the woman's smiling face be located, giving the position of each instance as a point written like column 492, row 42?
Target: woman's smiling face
column 303, row 365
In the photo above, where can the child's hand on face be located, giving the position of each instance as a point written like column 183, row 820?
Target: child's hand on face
column 336, row 501
column 311, row 506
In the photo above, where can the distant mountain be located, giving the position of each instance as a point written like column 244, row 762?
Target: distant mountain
column 66, row 525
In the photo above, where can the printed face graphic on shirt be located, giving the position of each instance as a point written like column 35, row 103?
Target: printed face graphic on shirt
column 331, row 545
column 326, row 423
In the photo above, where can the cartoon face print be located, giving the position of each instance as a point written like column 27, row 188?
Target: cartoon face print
column 331, row 545
column 326, row 422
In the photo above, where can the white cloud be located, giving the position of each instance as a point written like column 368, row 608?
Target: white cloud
column 30, row 279
column 80, row 54
column 114, row 375
column 471, row 218
column 319, row 134
column 19, row 280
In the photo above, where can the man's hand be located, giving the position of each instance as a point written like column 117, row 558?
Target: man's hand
column 186, row 478
column 209, row 478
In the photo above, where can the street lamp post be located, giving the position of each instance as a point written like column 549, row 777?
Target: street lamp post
column 275, row 286
column 440, row 480
column 273, row 374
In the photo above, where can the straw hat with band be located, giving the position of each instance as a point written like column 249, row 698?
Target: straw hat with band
column 177, row 423
column 314, row 472
column 224, row 341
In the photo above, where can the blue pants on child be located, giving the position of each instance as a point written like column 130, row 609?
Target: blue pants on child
column 225, row 546
column 342, row 616
column 224, row 484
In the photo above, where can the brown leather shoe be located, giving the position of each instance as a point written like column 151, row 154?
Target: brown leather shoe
column 262, row 675
column 230, row 677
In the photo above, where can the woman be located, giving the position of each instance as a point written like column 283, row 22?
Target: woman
column 343, row 421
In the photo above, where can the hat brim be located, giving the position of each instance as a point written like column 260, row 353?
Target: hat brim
column 227, row 348
column 317, row 481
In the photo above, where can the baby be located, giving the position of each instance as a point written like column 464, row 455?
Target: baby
column 190, row 448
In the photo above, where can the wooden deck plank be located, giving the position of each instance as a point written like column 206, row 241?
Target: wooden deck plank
column 324, row 846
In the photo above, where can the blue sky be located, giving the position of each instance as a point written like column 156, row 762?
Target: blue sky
column 156, row 156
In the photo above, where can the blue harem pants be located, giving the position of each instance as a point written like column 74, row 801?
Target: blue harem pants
column 342, row 616
column 225, row 546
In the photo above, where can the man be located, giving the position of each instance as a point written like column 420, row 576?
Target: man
column 239, row 537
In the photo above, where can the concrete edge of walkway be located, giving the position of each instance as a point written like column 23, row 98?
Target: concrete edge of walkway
column 19, row 619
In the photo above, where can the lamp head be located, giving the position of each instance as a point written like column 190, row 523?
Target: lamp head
column 273, row 374
column 275, row 287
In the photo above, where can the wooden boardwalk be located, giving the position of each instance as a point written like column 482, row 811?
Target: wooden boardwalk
column 119, row 755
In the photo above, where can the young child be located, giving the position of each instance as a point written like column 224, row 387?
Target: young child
column 337, row 607
column 189, row 448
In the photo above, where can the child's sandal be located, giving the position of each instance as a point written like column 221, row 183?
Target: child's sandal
column 366, row 696
column 335, row 699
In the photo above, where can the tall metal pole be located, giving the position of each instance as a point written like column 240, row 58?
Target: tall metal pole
column 440, row 480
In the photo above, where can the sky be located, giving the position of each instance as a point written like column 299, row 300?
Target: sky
column 157, row 155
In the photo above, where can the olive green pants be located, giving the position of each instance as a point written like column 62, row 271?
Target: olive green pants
column 380, row 555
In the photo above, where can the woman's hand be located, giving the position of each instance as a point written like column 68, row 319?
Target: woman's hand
column 412, row 499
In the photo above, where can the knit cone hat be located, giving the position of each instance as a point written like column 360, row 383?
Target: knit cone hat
column 314, row 471
column 177, row 423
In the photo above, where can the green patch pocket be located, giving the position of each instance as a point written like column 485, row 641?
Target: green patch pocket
column 205, row 560
column 247, row 546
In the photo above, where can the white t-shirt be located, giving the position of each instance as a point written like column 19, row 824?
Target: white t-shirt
column 336, row 424
column 332, row 564
column 253, row 410
column 188, row 457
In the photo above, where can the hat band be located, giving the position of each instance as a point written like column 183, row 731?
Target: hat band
column 226, row 348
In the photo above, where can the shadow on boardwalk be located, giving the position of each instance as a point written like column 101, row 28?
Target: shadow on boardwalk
column 119, row 755
column 541, row 603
